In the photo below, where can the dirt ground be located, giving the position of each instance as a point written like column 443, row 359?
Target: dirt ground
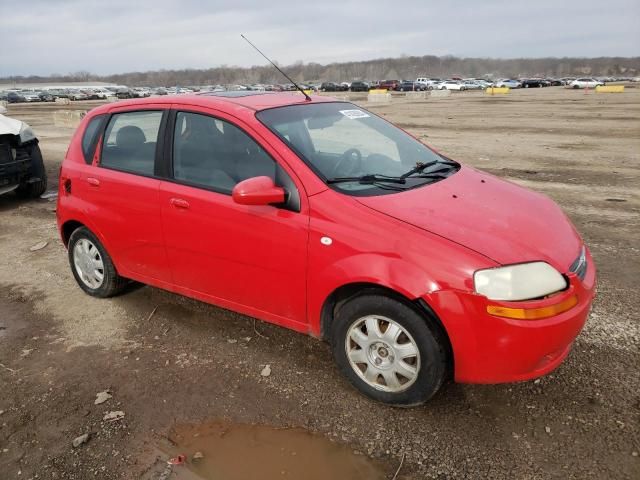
column 169, row 361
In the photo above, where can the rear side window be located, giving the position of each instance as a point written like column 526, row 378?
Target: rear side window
column 130, row 142
column 90, row 137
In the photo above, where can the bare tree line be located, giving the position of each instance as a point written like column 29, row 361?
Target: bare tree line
column 405, row 67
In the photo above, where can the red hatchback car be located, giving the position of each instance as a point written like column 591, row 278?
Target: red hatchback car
column 322, row 217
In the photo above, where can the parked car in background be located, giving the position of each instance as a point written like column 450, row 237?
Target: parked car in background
column 471, row 85
column 103, row 93
column 428, row 82
column 91, row 94
column 30, row 96
column 508, row 82
column 15, row 97
column 330, row 87
column 390, row 84
column 359, row 87
column 585, row 82
column 21, row 167
column 483, row 83
column 141, row 92
column 411, row 86
column 78, row 95
column 451, row 85
column 58, row 93
column 324, row 218
column 124, row 93
column 554, row 82
column 533, row 82
column 46, row 96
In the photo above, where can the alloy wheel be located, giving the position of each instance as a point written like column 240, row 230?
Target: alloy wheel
column 88, row 263
column 382, row 353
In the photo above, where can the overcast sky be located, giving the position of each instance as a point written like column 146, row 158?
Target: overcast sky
column 115, row 36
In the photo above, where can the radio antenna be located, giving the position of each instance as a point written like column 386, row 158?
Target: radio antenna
column 307, row 97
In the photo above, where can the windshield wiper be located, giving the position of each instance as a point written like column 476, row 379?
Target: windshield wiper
column 420, row 167
column 378, row 180
column 367, row 179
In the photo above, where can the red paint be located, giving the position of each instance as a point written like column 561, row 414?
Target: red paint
column 242, row 253
column 258, row 191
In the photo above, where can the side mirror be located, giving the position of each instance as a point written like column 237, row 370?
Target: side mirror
column 3, row 110
column 258, row 191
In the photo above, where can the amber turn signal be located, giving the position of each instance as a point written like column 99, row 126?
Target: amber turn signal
column 533, row 313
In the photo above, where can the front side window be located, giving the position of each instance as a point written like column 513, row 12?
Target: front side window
column 130, row 142
column 213, row 153
column 355, row 151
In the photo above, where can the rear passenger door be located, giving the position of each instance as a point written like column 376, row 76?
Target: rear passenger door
column 123, row 194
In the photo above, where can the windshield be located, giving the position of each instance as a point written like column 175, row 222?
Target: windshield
column 355, row 151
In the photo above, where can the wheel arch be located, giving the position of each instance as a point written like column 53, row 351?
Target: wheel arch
column 346, row 292
column 68, row 228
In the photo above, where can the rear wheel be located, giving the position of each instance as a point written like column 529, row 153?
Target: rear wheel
column 388, row 351
column 36, row 184
column 91, row 265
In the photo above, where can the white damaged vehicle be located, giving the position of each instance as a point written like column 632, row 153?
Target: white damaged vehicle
column 21, row 166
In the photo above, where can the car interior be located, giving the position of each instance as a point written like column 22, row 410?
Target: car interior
column 211, row 152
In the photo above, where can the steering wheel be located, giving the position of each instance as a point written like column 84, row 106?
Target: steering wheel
column 352, row 156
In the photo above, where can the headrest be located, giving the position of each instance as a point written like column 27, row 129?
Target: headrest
column 130, row 137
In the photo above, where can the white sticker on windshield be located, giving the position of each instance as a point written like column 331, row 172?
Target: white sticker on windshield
column 354, row 114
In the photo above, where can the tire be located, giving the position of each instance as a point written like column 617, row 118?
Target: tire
column 526, row 85
column 111, row 283
column 414, row 333
column 34, row 189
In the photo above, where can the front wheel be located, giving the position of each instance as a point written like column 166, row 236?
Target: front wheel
column 389, row 351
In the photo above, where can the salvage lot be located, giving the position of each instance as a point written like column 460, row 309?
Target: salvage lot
column 169, row 361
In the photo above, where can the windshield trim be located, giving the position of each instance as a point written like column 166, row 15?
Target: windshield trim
column 336, row 186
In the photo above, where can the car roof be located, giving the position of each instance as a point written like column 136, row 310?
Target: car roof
column 246, row 100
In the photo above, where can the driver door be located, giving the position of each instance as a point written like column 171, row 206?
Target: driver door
column 248, row 258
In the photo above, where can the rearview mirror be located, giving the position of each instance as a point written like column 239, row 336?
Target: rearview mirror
column 258, row 191
column 315, row 123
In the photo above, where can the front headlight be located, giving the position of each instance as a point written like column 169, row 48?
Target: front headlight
column 26, row 134
column 524, row 281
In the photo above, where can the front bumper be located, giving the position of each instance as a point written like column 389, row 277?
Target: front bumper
column 490, row 349
column 15, row 165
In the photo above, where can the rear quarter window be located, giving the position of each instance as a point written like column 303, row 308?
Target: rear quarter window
column 90, row 137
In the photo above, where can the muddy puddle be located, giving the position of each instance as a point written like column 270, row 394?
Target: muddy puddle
column 225, row 451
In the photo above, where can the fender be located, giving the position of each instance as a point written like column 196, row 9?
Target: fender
column 390, row 272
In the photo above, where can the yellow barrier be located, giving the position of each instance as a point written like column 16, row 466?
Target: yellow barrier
column 610, row 89
column 378, row 91
column 493, row 90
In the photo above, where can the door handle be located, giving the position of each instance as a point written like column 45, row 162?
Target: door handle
column 179, row 203
column 93, row 181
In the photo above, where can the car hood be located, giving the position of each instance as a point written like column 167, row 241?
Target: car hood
column 501, row 220
column 9, row 126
